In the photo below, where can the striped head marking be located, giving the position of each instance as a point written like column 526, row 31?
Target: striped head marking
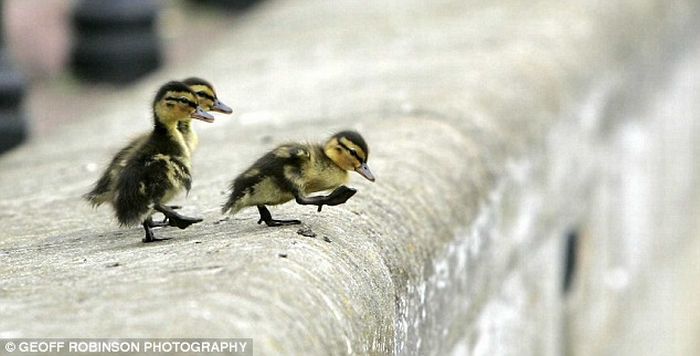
column 206, row 95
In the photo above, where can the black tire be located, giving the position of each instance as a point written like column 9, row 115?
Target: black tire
column 115, row 40
column 13, row 129
column 118, row 57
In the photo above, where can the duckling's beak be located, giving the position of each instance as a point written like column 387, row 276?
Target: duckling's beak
column 365, row 172
column 221, row 107
column 200, row 114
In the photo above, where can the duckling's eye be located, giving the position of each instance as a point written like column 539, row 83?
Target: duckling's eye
column 352, row 151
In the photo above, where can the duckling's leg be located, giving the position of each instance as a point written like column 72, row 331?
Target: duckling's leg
column 165, row 222
column 339, row 196
column 175, row 219
column 266, row 217
column 149, row 233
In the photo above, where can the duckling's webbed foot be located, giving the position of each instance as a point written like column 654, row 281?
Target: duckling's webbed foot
column 150, row 237
column 339, row 196
column 266, row 217
column 175, row 219
column 165, row 222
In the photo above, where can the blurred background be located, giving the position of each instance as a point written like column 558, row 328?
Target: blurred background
column 59, row 53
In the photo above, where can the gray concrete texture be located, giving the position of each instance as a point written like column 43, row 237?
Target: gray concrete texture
column 637, row 292
column 469, row 109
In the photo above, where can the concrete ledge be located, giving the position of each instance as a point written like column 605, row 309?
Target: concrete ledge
column 477, row 116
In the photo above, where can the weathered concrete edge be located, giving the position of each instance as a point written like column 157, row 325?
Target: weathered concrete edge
column 433, row 319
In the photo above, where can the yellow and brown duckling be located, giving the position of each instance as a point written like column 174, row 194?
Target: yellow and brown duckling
column 207, row 99
column 154, row 171
column 295, row 170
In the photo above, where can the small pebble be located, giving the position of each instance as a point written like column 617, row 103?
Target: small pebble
column 325, row 238
column 282, row 255
column 305, row 231
column 115, row 264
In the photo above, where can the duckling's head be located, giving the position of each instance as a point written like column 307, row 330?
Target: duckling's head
column 207, row 96
column 349, row 151
column 174, row 102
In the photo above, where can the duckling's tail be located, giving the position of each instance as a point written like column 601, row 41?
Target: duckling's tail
column 100, row 193
column 94, row 199
column 233, row 202
column 228, row 206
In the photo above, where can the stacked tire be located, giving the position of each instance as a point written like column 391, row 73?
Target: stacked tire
column 13, row 122
column 116, row 41
column 13, row 87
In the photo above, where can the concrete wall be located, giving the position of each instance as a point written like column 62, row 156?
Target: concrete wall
column 637, row 290
column 495, row 129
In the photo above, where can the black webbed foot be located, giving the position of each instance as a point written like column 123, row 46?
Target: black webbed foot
column 266, row 217
column 182, row 221
column 154, row 239
column 165, row 218
column 339, row 196
column 273, row 222
column 172, row 218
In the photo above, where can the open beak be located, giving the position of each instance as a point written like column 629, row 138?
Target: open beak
column 200, row 114
column 221, row 107
column 365, row 172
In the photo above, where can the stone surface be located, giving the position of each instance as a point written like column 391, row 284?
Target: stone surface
column 481, row 118
column 637, row 291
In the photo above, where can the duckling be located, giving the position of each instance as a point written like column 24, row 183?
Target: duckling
column 207, row 100
column 294, row 170
column 152, row 172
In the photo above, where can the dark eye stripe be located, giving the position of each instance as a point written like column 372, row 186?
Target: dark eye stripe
column 352, row 152
column 182, row 100
column 206, row 96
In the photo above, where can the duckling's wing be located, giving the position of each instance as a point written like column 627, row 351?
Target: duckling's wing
column 277, row 171
column 285, row 165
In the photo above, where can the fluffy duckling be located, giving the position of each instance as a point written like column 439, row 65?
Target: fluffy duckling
column 157, row 169
column 292, row 171
column 207, row 100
